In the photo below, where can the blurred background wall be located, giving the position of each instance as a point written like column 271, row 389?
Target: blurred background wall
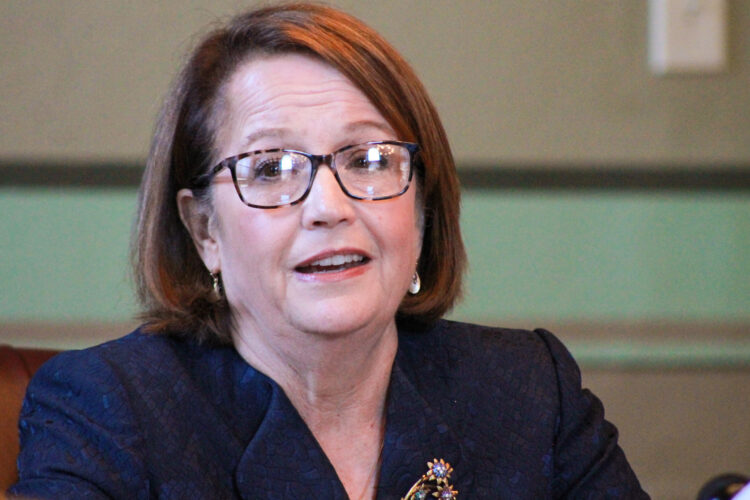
column 602, row 201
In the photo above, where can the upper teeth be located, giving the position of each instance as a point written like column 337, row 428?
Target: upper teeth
column 337, row 260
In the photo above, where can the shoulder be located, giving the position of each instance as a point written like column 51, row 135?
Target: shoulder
column 471, row 349
column 134, row 368
column 138, row 354
column 470, row 335
column 493, row 371
column 114, row 401
column 134, row 355
column 98, row 380
column 81, row 404
column 102, row 361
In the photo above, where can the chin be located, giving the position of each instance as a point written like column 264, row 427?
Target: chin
column 337, row 327
column 338, row 321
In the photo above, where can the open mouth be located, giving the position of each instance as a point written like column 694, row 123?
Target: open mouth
column 333, row 263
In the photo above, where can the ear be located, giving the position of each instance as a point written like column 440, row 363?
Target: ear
column 197, row 221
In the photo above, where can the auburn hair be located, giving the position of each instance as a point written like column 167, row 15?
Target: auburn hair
column 174, row 288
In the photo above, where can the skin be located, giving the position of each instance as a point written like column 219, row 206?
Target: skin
column 328, row 339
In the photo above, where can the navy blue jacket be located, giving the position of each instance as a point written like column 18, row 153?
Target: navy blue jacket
column 151, row 416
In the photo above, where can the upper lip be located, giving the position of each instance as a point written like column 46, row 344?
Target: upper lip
column 331, row 253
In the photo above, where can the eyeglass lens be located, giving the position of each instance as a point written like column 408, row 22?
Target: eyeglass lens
column 365, row 171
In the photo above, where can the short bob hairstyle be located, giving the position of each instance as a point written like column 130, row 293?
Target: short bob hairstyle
column 173, row 285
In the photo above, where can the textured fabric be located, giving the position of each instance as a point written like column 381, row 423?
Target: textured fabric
column 16, row 368
column 156, row 417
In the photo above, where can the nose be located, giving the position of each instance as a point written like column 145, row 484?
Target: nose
column 326, row 205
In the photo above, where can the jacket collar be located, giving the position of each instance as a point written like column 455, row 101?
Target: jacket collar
column 283, row 459
column 416, row 433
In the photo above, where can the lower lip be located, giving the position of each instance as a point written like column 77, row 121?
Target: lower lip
column 333, row 276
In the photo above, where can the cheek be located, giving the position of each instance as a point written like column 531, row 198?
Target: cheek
column 244, row 234
column 253, row 256
column 250, row 240
column 415, row 226
column 402, row 230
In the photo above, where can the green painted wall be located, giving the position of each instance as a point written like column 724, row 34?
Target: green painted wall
column 64, row 253
column 607, row 256
column 561, row 256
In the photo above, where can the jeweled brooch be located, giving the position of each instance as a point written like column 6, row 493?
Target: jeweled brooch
column 434, row 482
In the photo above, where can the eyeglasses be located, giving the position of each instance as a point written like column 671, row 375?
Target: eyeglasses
column 276, row 177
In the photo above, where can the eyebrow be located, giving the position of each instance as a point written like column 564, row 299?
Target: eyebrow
column 276, row 133
column 367, row 124
column 349, row 128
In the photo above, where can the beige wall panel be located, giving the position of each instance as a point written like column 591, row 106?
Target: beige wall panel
column 679, row 428
column 531, row 81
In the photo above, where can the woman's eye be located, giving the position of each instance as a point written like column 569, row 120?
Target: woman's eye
column 279, row 167
column 268, row 169
column 369, row 161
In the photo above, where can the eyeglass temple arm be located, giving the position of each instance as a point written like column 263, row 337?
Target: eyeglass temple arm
column 203, row 180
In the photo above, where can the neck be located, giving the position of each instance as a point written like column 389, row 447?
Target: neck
column 323, row 375
column 338, row 385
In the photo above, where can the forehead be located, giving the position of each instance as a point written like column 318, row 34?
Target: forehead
column 293, row 90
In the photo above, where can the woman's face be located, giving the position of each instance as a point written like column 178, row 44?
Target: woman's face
column 266, row 256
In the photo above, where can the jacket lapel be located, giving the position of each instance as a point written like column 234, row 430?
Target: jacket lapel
column 283, row 459
column 415, row 434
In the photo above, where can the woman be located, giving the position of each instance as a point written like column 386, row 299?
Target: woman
column 297, row 243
